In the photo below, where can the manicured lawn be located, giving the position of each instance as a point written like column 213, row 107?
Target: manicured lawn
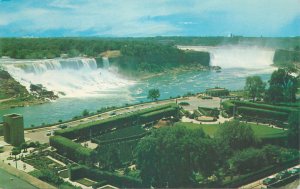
column 85, row 182
column 209, row 129
column 64, row 174
column 122, row 133
column 263, row 131
column 9, row 181
column 260, row 131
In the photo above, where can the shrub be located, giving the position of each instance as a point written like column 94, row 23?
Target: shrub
column 228, row 106
column 261, row 113
column 97, row 175
column 152, row 116
column 214, row 112
column 264, row 106
column 97, row 127
column 70, row 149
column 184, row 103
column 217, row 92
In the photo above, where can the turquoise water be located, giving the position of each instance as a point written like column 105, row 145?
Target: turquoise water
column 170, row 85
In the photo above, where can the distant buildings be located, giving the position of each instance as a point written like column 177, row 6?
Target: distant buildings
column 13, row 129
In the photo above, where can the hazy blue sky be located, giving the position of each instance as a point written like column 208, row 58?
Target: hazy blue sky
column 149, row 17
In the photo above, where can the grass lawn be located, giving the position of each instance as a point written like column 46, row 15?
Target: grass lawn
column 9, row 181
column 260, row 131
column 238, row 93
column 64, row 174
column 122, row 133
column 85, row 182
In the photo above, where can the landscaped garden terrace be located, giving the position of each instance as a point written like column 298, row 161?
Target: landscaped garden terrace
column 124, row 141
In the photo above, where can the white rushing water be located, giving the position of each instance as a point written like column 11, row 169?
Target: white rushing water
column 74, row 77
column 254, row 58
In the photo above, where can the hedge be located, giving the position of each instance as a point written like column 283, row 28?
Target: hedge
column 133, row 137
column 214, row 112
column 97, row 127
column 99, row 176
column 228, row 106
column 152, row 116
column 266, row 114
column 216, row 92
column 70, row 149
column 264, row 106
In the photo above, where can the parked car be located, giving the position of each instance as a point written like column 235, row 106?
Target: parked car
column 113, row 113
column 49, row 133
column 295, row 171
column 283, row 174
column 62, row 126
column 269, row 180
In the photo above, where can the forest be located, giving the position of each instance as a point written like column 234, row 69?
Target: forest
column 136, row 53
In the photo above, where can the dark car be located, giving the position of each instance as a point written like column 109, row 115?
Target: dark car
column 62, row 126
column 269, row 180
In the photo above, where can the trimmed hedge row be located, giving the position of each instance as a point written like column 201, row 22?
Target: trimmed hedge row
column 100, row 176
column 70, row 149
column 217, row 92
column 267, row 114
column 228, row 106
column 158, row 115
column 97, row 127
column 133, row 137
column 214, row 112
column 259, row 111
column 264, row 106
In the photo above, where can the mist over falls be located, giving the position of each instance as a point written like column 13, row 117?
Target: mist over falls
column 74, row 77
column 236, row 56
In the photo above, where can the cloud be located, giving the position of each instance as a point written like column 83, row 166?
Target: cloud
column 148, row 17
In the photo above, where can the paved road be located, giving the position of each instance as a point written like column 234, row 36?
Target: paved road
column 6, row 99
column 258, row 184
column 40, row 134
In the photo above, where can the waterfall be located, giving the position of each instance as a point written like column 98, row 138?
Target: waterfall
column 74, row 77
column 105, row 61
column 237, row 56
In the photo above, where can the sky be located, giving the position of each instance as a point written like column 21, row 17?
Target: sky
column 141, row 18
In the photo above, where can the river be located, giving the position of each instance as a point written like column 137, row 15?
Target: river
column 87, row 87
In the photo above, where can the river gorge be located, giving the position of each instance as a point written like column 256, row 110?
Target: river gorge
column 82, row 85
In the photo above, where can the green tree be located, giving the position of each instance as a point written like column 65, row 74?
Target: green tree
column 254, row 87
column 246, row 161
column 85, row 112
column 170, row 156
column 283, row 87
column 15, row 152
column 153, row 94
column 110, row 160
column 48, row 176
column 24, row 146
column 293, row 131
column 234, row 135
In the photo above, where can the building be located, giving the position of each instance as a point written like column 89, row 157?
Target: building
column 13, row 129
